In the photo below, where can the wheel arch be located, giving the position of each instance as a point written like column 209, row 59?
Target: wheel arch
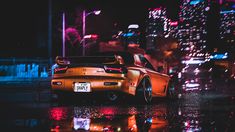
column 141, row 79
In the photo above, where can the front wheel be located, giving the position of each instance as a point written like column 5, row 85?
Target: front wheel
column 144, row 91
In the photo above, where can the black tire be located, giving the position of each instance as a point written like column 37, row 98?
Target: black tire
column 144, row 91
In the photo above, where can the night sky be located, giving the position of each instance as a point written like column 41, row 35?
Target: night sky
column 24, row 23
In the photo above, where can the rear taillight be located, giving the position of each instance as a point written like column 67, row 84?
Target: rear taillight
column 115, row 69
column 60, row 70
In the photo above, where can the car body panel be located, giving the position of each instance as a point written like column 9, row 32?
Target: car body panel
column 100, row 80
column 159, row 82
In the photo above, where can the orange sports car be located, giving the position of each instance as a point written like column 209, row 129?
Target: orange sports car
column 110, row 73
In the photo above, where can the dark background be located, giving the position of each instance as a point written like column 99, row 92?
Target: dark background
column 25, row 23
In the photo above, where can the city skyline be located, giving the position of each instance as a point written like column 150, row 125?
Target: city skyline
column 31, row 30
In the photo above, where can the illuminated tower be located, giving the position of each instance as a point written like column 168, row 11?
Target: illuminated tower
column 227, row 28
column 192, row 27
column 173, row 29
column 157, row 26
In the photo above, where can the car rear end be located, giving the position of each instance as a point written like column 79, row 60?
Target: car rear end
column 89, row 74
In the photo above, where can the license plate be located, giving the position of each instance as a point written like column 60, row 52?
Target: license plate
column 82, row 87
column 81, row 123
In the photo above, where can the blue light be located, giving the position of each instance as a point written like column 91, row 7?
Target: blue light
column 219, row 56
column 24, row 71
column 128, row 34
column 225, row 12
column 27, row 71
column 149, row 120
column 194, row 2
column 44, row 73
column 233, row 6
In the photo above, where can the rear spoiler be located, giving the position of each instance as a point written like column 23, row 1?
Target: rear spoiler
column 116, row 59
column 62, row 60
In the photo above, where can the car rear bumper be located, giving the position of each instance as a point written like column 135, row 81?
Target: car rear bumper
column 96, row 84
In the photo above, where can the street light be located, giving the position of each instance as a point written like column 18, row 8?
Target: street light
column 84, row 15
column 63, row 34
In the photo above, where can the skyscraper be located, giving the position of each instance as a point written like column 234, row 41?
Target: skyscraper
column 192, row 27
column 227, row 25
column 174, row 29
column 157, row 26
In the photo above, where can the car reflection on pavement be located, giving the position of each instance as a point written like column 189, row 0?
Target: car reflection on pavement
column 195, row 112
column 108, row 119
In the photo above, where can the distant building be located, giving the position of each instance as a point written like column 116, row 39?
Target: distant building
column 174, row 29
column 192, row 27
column 227, row 26
column 157, row 26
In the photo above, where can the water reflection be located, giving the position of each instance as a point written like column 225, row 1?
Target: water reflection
column 192, row 113
column 110, row 119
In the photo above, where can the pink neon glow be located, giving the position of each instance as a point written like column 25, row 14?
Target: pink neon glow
column 174, row 23
column 91, row 36
column 108, row 110
column 58, row 113
column 220, row 1
column 156, row 9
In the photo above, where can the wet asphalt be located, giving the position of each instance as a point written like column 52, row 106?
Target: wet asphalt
column 212, row 111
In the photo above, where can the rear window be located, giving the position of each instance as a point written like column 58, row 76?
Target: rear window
column 88, row 59
column 126, row 56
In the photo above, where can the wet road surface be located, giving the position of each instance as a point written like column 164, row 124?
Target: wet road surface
column 192, row 112
column 201, row 107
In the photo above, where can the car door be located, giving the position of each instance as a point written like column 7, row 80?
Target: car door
column 159, row 81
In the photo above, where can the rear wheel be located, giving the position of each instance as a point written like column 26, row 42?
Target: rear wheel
column 144, row 91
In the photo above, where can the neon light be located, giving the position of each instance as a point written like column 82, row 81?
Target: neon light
column 195, row 2
column 128, row 34
column 155, row 14
column 58, row 113
column 97, row 12
column 207, row 8
column 219, row 56
column 91, row 36
column 192, row 85
column 225, row 12
column 193, row 61
column 157, row 9
column 87, row 36
column 133, row 26
column 174, row 23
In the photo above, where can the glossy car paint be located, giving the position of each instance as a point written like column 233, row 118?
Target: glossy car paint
column 123, row 82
